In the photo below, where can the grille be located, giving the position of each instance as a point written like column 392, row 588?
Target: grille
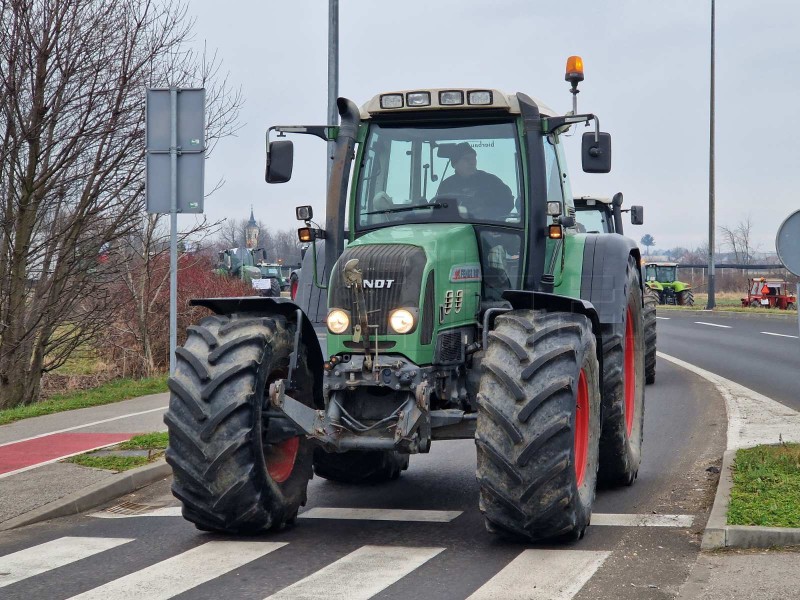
column 392, row 279
column 449, row 348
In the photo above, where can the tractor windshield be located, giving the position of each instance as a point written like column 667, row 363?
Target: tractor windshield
column 439, row 174
column 660, row 273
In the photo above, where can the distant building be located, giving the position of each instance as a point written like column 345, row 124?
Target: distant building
column 251, row 232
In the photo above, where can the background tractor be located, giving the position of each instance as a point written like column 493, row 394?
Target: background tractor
column 661, row 277
column 604, row 215
column 453, row 312
column 770, row 293
column 247, row 264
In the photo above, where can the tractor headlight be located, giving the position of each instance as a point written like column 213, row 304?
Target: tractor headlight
column 338, row 321
column 401, row 320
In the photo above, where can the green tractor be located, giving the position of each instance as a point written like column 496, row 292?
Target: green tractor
column 661, row 277
column 452, row 312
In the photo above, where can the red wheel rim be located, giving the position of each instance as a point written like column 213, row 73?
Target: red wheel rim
column 293, row 289
column 280, row 460
column 581, row 428
column 629, row 372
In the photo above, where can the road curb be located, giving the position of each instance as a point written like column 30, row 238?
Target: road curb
column 719, row 534
column 94, row 495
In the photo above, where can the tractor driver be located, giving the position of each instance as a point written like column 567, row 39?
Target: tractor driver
column 482, row 194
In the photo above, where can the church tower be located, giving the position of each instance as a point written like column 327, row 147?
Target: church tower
column 251, row 232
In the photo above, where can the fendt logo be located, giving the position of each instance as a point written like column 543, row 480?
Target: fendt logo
column 378, row 284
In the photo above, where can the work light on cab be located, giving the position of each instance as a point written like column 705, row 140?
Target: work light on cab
column 338, row 321
column 401, row 320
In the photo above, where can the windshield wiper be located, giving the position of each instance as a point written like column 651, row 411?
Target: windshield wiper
column 406, row 208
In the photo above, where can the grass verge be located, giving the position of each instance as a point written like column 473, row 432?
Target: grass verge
column 766, row 487
column 155, row 443
column 113, row 391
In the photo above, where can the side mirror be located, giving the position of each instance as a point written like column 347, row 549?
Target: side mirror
column 596, row 155
column 637, row 215
column 280, row 158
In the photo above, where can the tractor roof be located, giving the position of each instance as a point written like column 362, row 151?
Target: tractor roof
column 496, row 100
column 662, row 264
column 590, row 200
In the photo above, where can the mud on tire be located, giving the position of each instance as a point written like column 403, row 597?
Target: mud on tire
column 356, row 466
column 623, row 389
column 650, row 334
column 538, row 367
column 235, row 468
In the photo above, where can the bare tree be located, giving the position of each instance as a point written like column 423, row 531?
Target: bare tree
column 739, row 240
column 73, row 75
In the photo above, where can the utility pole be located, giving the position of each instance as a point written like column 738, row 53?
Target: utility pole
column 711, row 216
column 333, row 74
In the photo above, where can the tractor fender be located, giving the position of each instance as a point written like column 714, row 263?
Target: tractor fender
column 604, row 276
column 284, row 307
column 680, row 286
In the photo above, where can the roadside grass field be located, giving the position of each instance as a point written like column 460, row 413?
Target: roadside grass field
column 727, row 302
column 154, row 443
column 766, row 487
column 113, row 391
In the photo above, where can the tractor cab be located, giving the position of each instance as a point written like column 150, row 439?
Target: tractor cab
column 604, row 215
column 662, row 277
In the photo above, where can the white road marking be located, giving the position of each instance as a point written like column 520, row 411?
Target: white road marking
column 381, row 514
column 51, row 555
column 542, row 575
column 663, row 318
column 753, row 418
column 85, row 425
column 167, row 511
column 641, row 520
column 779, row 334
column 359, row 575
column 183, row 572
column 713, row 324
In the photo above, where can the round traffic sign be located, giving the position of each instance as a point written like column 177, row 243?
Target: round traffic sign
column 787, row 243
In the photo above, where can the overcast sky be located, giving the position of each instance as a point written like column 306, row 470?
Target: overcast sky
column 647, row 78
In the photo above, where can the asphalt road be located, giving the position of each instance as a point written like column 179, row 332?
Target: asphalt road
column 452, row 557
column 760, row 352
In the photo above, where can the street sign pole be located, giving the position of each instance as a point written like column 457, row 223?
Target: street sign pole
column 173, row 229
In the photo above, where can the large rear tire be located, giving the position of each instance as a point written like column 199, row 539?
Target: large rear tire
column 686, row 298
column 371, row 466
column 539, row 425
column 650, row 334
column 236, row 470
column 623, row 389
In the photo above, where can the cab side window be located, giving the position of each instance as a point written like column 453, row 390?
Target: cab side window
column 552, row 172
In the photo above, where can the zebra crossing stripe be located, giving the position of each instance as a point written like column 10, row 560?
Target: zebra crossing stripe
column 542, row 575
column 641, row 520
column 51, row 555
column 359, row 575
column 381, row 514
column 183, row 572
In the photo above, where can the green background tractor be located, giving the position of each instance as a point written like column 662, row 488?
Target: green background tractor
column 451, row 313
column 662, row 278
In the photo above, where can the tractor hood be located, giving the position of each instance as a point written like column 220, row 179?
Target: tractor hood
column 411, row 267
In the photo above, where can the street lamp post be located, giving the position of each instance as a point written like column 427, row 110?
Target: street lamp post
column 711, row 217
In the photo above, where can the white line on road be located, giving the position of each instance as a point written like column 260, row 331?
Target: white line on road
column 359, row 575
column 663, row 318
column 713, row 324
column 641, row 520
column 753, row 418
column 52, row 555
column 542, row 575
column 85, row 425
column 381, row 514
column 779, row 334
column 183, row 572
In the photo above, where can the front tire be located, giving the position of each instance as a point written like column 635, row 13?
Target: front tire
column 236, row 470
column 539, row 425
column 686, row 298
column 623, row 389
column 650, row 335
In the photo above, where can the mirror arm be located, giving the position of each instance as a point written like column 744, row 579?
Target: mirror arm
column 552, row 124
